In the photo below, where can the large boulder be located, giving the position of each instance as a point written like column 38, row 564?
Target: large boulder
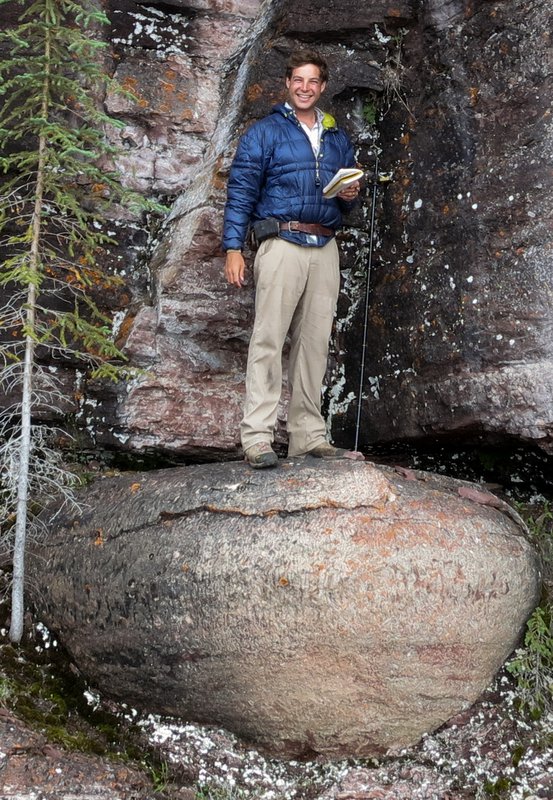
column 340, row 608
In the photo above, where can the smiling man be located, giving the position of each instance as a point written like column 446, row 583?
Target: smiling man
column 275, row 187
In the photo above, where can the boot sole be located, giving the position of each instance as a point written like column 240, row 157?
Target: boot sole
column 263, row 464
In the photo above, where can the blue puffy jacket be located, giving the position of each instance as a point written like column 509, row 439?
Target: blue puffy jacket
column 275, row 174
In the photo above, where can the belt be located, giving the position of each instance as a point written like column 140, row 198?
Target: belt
column 306, row 227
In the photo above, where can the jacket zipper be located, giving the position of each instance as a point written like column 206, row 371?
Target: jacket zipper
column 317, row 157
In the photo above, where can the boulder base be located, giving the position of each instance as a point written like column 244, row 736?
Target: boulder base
column 338, row 608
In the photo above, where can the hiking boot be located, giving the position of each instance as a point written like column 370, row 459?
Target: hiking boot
column 328, row 451
column 261, row 455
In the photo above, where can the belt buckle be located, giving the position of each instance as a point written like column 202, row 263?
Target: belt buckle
column 289, row 223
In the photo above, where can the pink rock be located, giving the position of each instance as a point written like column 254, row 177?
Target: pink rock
column 333, row 607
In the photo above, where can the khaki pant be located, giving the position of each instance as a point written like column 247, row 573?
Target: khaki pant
column 296, row 290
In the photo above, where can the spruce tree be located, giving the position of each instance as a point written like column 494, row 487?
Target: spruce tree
column 53, row 204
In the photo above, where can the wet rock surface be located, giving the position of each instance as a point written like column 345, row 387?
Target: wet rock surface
column 459, row 333
column 335, row 608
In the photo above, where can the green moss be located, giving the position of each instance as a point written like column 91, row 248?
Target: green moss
column 532, row 664
column 517, row 754
column 499, row 789
column 38, row 686
column 369, row 112
column 7, row 691
column 50, row 698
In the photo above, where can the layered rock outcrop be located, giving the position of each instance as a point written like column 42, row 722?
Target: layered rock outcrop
column 341, row 608
column 455, row 96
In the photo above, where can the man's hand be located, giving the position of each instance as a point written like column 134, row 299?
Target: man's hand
column 235, row 268
column 350, row 192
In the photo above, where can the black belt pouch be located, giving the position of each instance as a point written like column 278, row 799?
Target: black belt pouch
column 265, row 229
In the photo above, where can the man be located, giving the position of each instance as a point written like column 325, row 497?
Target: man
column 275, row 186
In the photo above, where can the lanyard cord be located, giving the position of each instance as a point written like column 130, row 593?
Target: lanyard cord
column 366, row 320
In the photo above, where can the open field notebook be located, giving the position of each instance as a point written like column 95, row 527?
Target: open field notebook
column 342, row 179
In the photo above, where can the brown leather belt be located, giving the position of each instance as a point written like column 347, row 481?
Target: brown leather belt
column 306, row 227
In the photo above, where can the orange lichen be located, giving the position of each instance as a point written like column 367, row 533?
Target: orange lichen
column 125, row 328
column 130, row 84
column 254, row 92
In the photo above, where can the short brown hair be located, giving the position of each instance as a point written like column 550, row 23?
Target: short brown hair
column 302, row 57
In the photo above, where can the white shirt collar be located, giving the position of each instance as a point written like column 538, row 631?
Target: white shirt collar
column 314, row 133
column 318, row 114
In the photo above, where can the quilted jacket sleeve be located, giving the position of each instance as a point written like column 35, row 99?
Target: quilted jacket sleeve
column 244, row 188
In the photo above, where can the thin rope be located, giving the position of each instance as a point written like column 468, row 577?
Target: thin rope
column 366, row 320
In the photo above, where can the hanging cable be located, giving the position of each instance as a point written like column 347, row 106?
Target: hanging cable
column 378, row 179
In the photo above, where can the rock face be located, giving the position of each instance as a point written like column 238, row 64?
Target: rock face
column 460, row 323
column 341, row 608
column 193, row 337
column 456, row 98
column 459, row 318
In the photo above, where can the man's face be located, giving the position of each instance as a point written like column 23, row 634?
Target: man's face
column 305, row 87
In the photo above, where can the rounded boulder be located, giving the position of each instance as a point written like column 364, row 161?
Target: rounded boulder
column 340, row 608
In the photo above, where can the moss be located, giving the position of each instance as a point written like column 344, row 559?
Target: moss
column 499, row 789
column 51, row 699
column 370, row 112
column 42, row 690
column 532, row 664
column 517, row 755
